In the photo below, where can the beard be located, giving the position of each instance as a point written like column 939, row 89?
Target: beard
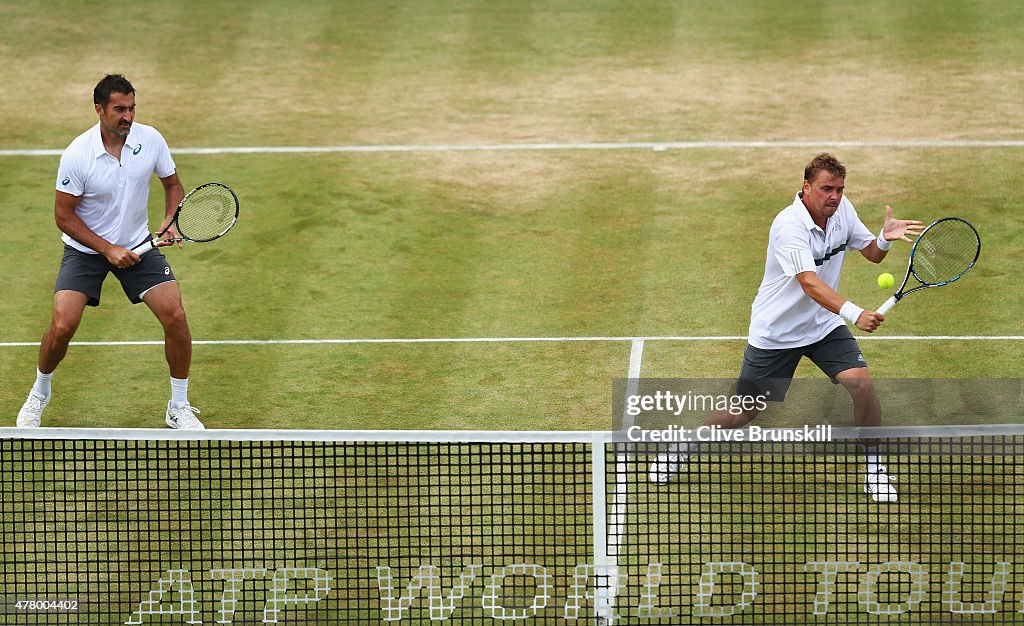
column 118, row 129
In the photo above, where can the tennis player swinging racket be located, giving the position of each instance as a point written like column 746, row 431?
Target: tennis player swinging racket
column 943, row 253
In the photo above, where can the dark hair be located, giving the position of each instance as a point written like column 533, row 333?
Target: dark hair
column 111, row 83
column 826, row 162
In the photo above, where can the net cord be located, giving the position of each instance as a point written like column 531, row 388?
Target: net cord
column 470, row 436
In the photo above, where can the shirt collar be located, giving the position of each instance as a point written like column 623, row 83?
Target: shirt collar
column 98, row 149
column 805, row 216
column 97, row 142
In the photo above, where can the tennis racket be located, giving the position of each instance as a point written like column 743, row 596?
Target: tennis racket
column 208, row 212
column 941, row 255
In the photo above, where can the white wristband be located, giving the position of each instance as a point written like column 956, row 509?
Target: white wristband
column 883, row 243
column 850, row 312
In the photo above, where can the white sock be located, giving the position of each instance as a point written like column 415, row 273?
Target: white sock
column 42, row 387
column 179, row 392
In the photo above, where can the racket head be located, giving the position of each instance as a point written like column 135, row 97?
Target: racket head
column 945, row 251
column 207, row 212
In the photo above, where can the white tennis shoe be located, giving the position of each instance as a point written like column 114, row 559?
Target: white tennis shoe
column 666, row 466
column 183, row 417
column 31, row 413
column 879, row 486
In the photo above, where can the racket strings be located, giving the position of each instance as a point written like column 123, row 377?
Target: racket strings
column 945, row 251
column 208, row 214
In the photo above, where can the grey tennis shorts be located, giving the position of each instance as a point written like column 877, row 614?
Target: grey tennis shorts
column 771, row 371
column 85, row 273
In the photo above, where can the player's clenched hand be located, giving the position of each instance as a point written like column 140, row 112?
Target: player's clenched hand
column 121, row 257
column 869, row 321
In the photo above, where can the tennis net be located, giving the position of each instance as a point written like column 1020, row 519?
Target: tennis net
column 301, row 527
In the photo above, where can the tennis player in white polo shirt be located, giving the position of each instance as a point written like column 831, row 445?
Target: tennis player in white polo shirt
column 799, row 313
column 101, row 206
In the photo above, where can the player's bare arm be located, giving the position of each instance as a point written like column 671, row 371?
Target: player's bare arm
column 173, row 193
column 828, row 298
column 69, row 222
column 892, row 230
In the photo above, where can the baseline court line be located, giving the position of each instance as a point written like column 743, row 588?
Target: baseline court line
column 259, row 342
column 626, row 145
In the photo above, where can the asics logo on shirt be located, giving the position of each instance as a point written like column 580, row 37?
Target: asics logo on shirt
column 137, row 150
column 65, row 181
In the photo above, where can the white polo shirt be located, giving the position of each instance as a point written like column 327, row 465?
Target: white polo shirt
column 114, row 194
column 783, row 316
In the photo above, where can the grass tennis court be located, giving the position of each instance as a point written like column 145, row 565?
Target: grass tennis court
column 552, row 230
column 506, row 244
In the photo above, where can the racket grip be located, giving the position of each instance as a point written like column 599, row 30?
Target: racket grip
column 143, row 248
column 887, row 305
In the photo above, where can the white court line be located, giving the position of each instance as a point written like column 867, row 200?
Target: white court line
column 609, row 523
column 616, row 525
column 636, row 357
column 640, row 340
column 272, row 342
column 627, row 145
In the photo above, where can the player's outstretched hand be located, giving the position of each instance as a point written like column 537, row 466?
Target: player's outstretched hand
column 894, row 229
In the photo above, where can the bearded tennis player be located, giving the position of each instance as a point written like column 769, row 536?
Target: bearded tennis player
column 101, row 207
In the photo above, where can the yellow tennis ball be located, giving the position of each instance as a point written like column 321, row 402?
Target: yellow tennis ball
column 886, row 281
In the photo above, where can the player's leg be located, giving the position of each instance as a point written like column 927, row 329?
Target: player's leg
column 839, row 356
column 867, row 410
column 165, row 302
column 723, row 418
column 79, row 284
column 151, row 281
column 669, row 463
column 765, row 374
column 68, row 307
